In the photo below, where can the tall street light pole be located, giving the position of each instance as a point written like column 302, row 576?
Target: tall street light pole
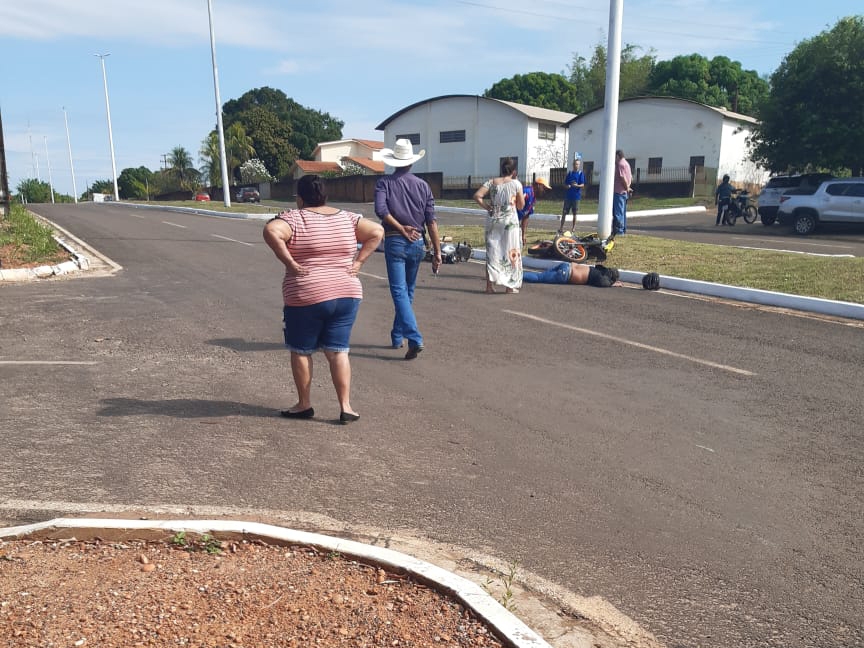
column 610, row 118
column 71, row 166
column 4, row 178
column 226, row 191
column 48, row 162
column 110, row 134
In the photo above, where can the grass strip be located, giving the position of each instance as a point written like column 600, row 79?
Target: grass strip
column 785, row 272
column 24, row 239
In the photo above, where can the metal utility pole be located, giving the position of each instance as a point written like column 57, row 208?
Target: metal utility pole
column 226, row 191
column 610, row 118
column 71, row 166
column 110, row 134
column 48, row 162
column 4, row 178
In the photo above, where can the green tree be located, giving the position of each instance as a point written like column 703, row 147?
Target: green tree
column 181, row 169
column 209, row 156
column 31, row 190
column 272, row 139
column 238, row 149
column 136, row 183
column 288, row 123
column 539, row 89
column 718, row 82
column 98, row 186
column 589, row 77
column 813, row 116
column 254, row 171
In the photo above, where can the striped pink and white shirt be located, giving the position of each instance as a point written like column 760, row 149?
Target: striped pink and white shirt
column 325, row 245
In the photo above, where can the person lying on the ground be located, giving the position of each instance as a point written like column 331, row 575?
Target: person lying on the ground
column 576, row 274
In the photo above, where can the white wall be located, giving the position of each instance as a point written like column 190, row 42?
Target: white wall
column 672, row 130
column 333, row 151
column 735, row 156
column 492, row 130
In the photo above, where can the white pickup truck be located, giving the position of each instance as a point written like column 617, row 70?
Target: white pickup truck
column 840, row 200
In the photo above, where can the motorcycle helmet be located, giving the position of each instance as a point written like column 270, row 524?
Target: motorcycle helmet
column 651, row 281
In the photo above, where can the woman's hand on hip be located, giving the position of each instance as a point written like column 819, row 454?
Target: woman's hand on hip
column 294, row 269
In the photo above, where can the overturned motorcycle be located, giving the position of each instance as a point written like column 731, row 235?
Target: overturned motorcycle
column 573, row 247
column 451, row 252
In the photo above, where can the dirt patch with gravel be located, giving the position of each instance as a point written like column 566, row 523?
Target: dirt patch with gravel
column 206, row 593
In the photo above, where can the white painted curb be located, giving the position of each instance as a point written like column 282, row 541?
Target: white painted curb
column 695, row 209
column 505, row 624
column 197, row 210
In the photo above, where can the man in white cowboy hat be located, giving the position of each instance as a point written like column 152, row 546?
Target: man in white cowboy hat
column 406, row 208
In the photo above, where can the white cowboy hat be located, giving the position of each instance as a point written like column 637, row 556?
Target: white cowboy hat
column 402, row 154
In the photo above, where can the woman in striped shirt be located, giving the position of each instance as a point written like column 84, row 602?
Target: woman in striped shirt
column 321, row 291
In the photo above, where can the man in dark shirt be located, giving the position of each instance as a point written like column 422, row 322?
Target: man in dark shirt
column 723, row 198
column 406, row 208
column 576, row 274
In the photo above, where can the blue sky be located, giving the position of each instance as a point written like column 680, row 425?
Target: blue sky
column 361, row 61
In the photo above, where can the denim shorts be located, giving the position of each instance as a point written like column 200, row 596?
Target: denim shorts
column 326, row 326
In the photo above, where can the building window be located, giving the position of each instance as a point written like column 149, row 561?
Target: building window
column 546, row 131
column 696, row 161
column 655, row 165
column 414, row 138
column 448, row 137
column 588, row 170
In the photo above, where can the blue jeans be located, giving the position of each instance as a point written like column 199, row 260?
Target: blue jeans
column 619, row 213
column 558, row 274
column 403, row 258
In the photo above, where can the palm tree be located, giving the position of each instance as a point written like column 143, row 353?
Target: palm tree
column 238, row 147
column 211, row 165
column 181, row 168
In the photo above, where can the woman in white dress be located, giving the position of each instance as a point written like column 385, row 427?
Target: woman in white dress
column 501, row 197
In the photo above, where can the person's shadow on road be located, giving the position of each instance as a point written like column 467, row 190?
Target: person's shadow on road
column 181, row 408
column 239, row 344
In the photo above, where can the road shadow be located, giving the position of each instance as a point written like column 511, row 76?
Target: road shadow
column 182, row 408
column 239, row 344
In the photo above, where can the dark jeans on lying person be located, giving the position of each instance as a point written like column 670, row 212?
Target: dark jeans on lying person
column 558, row 274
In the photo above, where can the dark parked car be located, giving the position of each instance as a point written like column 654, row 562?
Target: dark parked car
column 248, row 194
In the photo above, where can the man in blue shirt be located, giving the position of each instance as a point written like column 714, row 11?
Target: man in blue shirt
column 532, row 192
column 723, row 198
column 574, row 182
column 406, row 208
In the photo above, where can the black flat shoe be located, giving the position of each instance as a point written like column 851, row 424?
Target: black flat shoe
column 346, row 417
column 413, row 352
column 302, row 414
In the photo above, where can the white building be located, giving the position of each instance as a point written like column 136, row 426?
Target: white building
column 346, row 148
column 468, row 135
column 659, row 133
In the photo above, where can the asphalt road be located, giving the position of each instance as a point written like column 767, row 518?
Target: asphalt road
column 697, row 464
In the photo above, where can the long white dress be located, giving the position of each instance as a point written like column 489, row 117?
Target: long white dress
column 503, row 235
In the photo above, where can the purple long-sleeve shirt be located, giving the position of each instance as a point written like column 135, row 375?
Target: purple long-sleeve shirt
column 405, row 197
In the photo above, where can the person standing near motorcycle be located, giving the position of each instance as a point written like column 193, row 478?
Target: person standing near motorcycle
column 406, row 208
column 622, row 188
column 532, row 192
column 575, row 182
column 723, row 198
